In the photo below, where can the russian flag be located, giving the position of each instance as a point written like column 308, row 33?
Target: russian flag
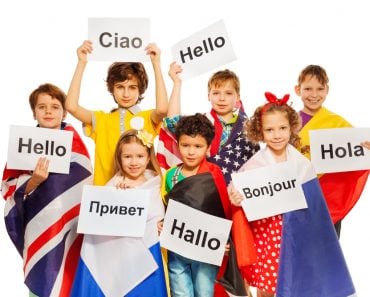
column 124, row 266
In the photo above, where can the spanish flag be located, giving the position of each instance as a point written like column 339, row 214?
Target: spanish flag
column 341, row 189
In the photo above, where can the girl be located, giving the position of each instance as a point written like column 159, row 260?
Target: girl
column 135, row 167
column 297, row 252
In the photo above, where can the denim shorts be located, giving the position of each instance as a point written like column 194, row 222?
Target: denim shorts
column 190, row 278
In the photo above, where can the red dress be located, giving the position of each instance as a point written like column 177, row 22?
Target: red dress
column 267, row 237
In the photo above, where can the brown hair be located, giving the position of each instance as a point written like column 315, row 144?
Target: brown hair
column 122, row 71
column 51, row 90
column 131, row 136
column 314, row 71
column 220, row 77
column 254, row 130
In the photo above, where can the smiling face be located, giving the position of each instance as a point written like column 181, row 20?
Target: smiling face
column 134, row 160
column 276, row 132
column 223, row 99
column 193, row 150
column 48, row 112
column 126, row 93
column 312, row 93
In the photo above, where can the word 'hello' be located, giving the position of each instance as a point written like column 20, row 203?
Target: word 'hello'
column 49, row 148
column 207, row 46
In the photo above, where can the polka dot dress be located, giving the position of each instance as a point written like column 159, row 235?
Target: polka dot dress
column 267, row 236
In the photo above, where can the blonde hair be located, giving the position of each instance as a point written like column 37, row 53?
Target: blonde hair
column 131, row 136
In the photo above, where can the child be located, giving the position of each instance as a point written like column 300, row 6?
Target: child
column 42, row 208
column 298, row 253
column 227, row 118
column 126, row 258
column 343, row 189
column 184, row 183
column 127, row 83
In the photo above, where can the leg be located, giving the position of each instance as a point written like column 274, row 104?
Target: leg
column 338, row 226
column 264, row 294
column 204, row 277
column 179, row 272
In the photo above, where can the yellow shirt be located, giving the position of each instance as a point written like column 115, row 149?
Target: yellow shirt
column 105, row 131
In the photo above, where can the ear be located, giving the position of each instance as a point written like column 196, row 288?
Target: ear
column 297, row 90
column 64, row 114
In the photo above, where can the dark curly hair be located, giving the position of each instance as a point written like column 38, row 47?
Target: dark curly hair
column 253, row 127
column 122, row 71
column 194, row 125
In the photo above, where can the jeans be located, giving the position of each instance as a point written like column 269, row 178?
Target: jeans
column 190, row 278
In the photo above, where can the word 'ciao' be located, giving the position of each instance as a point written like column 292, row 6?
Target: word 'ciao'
column 106, row 39
column 48, row 148
column 270, row 189
column 341, row 151
column 207, row 46
column 198, row 238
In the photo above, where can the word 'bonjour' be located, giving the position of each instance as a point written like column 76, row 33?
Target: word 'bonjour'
column 270, row 189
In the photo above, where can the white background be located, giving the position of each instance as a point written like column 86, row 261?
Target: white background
column 273, row 41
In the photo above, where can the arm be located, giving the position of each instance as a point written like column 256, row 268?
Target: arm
column 174, row 105
column 72, row 106
column 39, row 175
column 161, row 107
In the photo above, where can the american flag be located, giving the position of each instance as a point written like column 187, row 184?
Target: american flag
column 230, row 157
column 43, row 225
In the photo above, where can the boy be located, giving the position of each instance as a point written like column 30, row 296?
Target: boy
column 198, row 184
column 42, row 208
column 343, row 189
column 127, row 83
column 229, row 149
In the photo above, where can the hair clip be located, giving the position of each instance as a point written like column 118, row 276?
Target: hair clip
column 145, row 137
column 271, row 98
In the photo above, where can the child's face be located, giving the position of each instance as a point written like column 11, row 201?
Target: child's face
column 276, row 131
column 312, row 93
column 192, row 150
column 49, row 112
column 134, row 159
column 126, row 93
column 223, row 99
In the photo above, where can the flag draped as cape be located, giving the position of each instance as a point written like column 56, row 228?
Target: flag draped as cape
column 43, row 224
column 341, row 189
column 117, row 266
column 311, row 260
column 206, row 191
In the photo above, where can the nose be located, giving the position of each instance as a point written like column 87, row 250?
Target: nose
column 125, row 92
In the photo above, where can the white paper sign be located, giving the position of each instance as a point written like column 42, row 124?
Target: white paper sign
column 338, row 150
column 194, row 234
column 269, row 190
column 27, row 144
column 204, row 50
column 119, row 39
column 110, row 211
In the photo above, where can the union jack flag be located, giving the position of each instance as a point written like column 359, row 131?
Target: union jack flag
column 43, row 224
